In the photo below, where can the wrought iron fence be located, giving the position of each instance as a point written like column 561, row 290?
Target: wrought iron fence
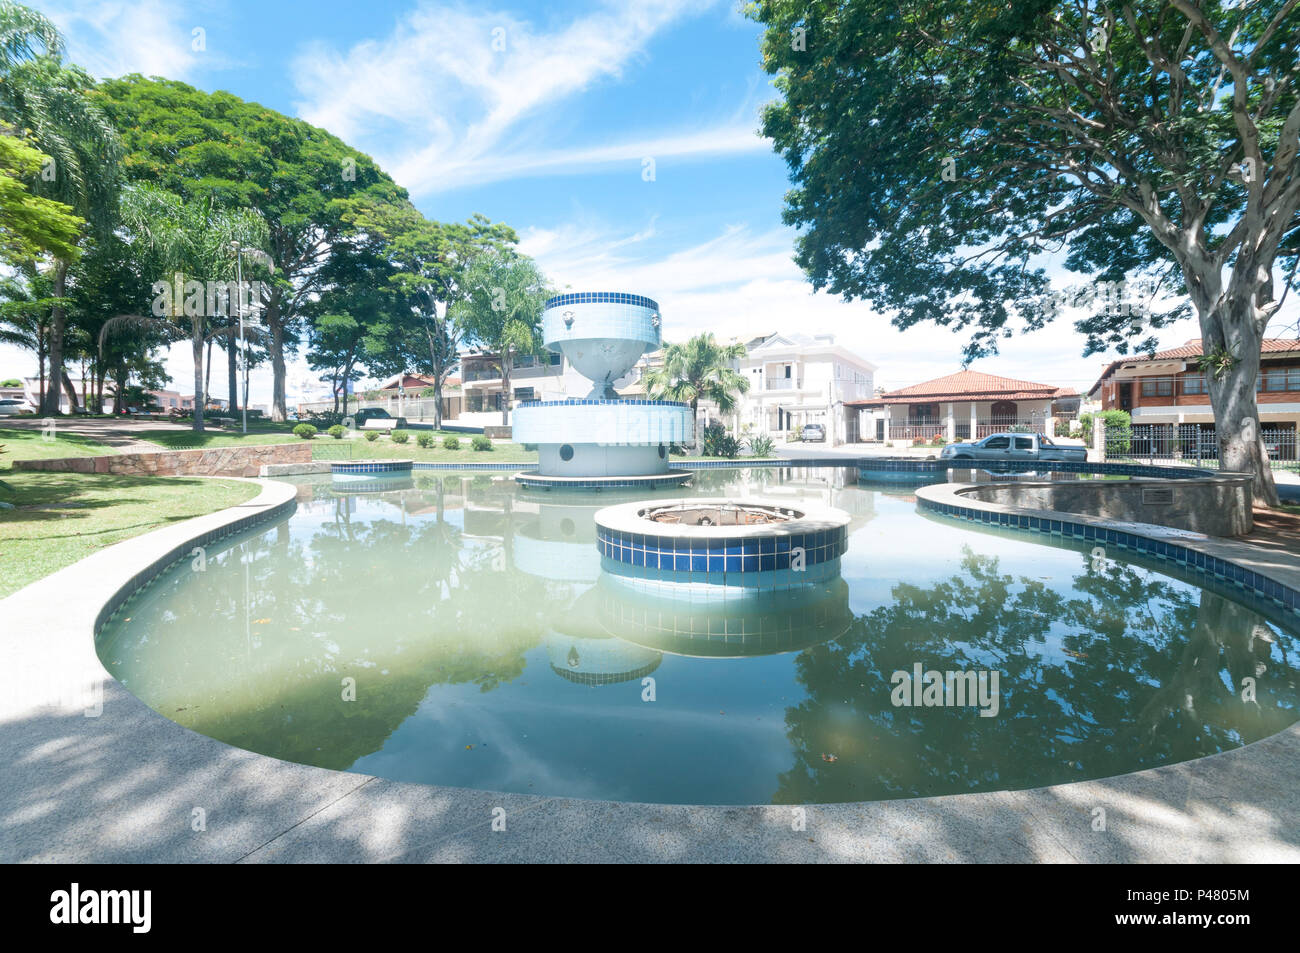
column 1192, row 444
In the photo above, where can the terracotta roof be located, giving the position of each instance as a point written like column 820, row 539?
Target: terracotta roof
column 1190, row 350
column 967, row 385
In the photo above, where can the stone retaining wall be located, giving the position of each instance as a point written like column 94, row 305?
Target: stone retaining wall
column 1215, row 505
column 215, row 461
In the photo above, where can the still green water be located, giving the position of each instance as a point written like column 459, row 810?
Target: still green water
column 488, row 650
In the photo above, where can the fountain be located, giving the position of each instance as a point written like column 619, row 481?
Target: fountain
column 602, row 440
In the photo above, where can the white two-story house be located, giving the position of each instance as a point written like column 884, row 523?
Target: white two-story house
column 798, row 379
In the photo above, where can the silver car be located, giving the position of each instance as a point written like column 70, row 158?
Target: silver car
column 11, row 406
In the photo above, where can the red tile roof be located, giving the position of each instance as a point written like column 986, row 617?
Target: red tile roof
column 1190, row 350
column 966, row 386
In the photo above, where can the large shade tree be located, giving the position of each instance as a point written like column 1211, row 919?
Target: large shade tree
column 304, row 182
column 938, row 149
column 501, row 309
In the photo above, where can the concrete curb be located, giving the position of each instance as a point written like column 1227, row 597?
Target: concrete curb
column 128, row 785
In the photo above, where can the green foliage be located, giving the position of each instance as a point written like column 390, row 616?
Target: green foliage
column 337, row 431
column 11, row 382
column 716, row 442
column 480, row 442
column 306, row 431
column 31, row 224
column 762, row 446
column 399, row 436
column 372, row 435
column 425, row 440
column 700, row 368
column 451, row 443
column 920, row 131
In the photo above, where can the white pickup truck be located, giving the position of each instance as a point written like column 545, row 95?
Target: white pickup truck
column 1015, row 446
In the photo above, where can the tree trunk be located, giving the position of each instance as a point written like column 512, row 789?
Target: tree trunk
column 58, row 318
column 232, row 379
column 197, row 338
column 70, row 390
column 1229, row 326
column 505, row 387
column 279, row 410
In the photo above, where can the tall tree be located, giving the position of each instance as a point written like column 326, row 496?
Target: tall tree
column 190, row 245
column 305, row 183
column 430, row 261
column 52, row 106
column 699, row 369
column 501, row 308
column 938, row 148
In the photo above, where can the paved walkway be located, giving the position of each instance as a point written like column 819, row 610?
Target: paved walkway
column 93, row 774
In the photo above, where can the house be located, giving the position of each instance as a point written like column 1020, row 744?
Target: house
column 967, row 405
column 798, row 379
column 1168, row 389
column 531, row 378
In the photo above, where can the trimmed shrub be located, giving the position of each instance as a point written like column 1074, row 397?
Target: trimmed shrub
column 716, row 442
column 306, row 431
column 480, row 442
column 337, row 431
column 399, row 436
column 451, row 443
column 372, row 435
column 425, row 440
column 762, row 446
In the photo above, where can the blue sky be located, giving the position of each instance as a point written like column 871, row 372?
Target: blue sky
column 551, row 134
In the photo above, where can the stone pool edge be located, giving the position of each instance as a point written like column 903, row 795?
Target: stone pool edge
column 127, row 786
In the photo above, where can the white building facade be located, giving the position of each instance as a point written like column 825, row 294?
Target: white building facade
column 799, row 379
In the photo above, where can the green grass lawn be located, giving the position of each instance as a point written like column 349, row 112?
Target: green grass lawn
column 185, row 439
column 31, row 445
column 327, row 448
column 60, row 518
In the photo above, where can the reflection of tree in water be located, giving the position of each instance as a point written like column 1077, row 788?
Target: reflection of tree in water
column 1127, row 671
column 341, row 603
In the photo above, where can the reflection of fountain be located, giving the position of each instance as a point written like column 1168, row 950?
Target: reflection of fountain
column 773, row 622
column 599, row 661
column 602, row 440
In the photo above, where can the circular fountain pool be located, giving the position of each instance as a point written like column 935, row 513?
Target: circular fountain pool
column 457, row 632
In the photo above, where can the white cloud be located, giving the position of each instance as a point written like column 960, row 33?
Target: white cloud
column 442, row 108
column 742, row 283
column 113, row 37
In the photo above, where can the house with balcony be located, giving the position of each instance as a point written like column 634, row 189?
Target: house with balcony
column 1166, row 394
column 967, row 405
column 798, row 379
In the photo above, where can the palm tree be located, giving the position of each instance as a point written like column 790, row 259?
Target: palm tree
column 188, row 242
column 699, row 369
column 22, row 31
column 49, row 104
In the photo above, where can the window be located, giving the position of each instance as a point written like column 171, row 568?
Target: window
column 1275, row 380
column 1158, row 387
column 1024, row 443
column 998, row 443
column 1194, row 384
column 525, row 393
column 1293, row 378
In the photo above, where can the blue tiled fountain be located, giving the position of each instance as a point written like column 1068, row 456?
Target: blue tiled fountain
column 602, row 440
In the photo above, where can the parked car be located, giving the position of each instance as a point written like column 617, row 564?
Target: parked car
column 376, row 413
column 813, row 432
column 11, row 406
column 1015, row 446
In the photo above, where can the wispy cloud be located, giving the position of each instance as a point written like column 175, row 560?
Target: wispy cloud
column 741, row 283
column 446, row 99
column 153, row 37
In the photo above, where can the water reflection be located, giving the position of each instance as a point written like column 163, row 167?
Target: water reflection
column 463, row 607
